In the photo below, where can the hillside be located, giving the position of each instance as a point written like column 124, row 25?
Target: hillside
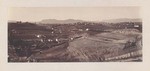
column 75, row 42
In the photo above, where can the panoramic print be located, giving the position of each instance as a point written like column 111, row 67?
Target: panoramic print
column 74, row 34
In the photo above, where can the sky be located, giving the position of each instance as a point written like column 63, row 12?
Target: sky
column 35, row 14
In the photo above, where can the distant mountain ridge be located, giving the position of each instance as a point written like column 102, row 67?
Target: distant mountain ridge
column 55, row 21
column 122, row 20
column 69, row 21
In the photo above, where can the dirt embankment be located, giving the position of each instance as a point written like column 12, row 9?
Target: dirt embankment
column 86, row 48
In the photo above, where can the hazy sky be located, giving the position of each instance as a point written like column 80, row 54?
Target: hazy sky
column 61, row 13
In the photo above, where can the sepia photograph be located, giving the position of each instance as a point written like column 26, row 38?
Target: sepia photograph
column 74, row 34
